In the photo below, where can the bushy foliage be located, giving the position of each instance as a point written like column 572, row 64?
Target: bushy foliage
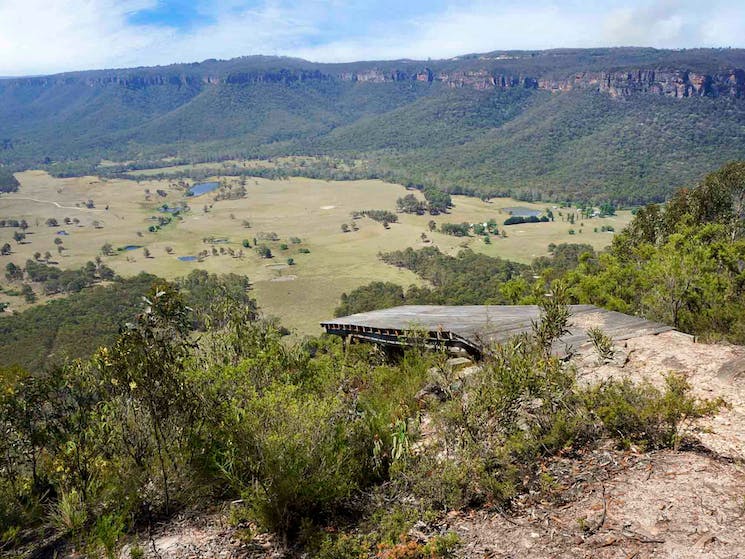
column 468, row 278
column 644, row 415
column 520, row 405
column 455, row 229
column 381, row 216
column 8, row 182
column 678, row 264
column 375, row 295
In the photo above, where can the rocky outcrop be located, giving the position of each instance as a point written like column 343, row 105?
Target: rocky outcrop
column 676, row 83
column 669, row 83
column 665, row 82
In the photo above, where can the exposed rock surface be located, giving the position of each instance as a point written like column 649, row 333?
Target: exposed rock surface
column 613, row 504
column 669, row 81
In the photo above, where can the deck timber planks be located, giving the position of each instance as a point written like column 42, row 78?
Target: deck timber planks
column 476, row 328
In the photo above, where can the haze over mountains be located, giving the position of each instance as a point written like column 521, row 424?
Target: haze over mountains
column 622, row 124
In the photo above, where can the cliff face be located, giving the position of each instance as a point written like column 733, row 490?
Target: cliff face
column 670, row 83
column 677, row 83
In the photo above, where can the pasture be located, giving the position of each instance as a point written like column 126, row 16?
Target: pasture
column 302, row 294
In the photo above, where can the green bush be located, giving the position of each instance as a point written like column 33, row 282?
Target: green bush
column 643, row 415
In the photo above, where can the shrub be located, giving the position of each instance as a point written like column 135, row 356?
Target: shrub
column 602, row 343
column 297, row 461
column 69, row 514
column 107, row 531
column 520, row 405
column 643, row 415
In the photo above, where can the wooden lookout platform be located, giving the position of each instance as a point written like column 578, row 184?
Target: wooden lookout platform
column 475, row 328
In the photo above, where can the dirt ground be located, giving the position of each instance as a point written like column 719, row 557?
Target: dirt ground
column 630, row 505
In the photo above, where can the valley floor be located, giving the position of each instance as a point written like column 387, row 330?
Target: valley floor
column 311, row 210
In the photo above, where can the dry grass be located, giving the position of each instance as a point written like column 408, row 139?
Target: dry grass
column 310, row 209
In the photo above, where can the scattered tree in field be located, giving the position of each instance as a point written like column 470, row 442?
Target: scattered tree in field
column 432, row 226
column 381, row 216
column 89, row 204
column 607, row 209
column 290, row 261
column 13, row 272
column 169, row 250
column 295, row 240
column 51, row 222
column 23, row 224
column 37, row 256
column 146, row 252
column 76, row 221
column 58, row 241
column 6, row 249
column 283, row 246
column 264, row 251
column 18, row 237
column 455, row 229
column 437, row 200
column 107, row 249
column 28, row 293
column 411, row 205
column 246, row 224
column 344, row 228
column 47, row 256
column 60, row 248
column 97, row 224
column 246, row 244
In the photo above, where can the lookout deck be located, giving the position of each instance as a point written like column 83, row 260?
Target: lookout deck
column 475, row 328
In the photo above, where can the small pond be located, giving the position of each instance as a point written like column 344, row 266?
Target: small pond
column 202, row 188
column 131, row 247
column 520, row 211
column 188, row 258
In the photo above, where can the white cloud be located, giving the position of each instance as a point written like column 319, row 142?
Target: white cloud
column 49, row 35
column 42, row 36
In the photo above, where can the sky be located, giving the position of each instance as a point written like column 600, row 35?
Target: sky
column 49, row 36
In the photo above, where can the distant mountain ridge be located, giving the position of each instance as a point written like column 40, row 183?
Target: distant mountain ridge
column 626, row 73
column 433, row 122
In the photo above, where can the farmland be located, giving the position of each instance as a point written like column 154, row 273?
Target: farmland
column 274, row 213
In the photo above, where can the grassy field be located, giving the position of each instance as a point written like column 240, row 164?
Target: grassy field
column 300, row 295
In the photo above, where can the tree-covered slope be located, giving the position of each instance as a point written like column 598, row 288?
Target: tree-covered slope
column 624, row 124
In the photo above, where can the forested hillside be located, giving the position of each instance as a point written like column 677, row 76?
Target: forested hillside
column 629, row 125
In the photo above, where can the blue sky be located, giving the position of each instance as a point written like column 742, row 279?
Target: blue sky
column 81, row 34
